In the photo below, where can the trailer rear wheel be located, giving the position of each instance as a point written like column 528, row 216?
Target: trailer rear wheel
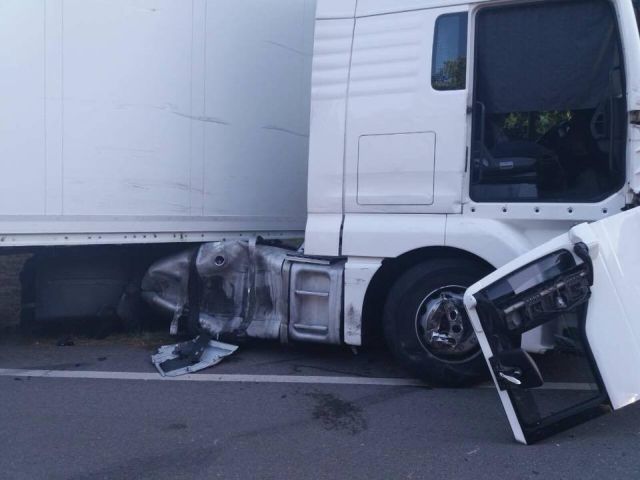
column 426, row 325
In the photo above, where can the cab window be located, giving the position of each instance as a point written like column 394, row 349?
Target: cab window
column 549, row 104
column 449, row 65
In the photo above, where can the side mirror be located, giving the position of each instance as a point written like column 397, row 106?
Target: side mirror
column 515, row 369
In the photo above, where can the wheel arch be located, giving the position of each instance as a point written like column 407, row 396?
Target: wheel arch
column 388, row 273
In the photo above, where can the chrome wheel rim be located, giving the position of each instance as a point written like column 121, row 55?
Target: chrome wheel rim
column 443, row 327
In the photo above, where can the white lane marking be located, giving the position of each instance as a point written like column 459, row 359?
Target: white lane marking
column 557, row 386
column 204, row 377
column 238, row 378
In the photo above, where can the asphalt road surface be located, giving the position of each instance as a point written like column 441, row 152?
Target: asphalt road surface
column 98, row 410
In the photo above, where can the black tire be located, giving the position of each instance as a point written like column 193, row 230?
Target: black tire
column 402, row 312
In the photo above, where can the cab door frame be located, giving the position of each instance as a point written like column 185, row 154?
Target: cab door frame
column 567, row 211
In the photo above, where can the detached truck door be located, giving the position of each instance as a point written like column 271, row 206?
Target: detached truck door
column 584, row 288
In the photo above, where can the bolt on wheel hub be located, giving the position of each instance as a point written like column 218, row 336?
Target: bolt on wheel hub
column 442, row 325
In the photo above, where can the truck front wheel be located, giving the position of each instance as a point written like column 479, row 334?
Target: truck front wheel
column 426, row 325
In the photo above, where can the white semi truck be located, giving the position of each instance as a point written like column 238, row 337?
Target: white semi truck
column 446, row 139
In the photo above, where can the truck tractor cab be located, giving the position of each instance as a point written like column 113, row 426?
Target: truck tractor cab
column 449, row 138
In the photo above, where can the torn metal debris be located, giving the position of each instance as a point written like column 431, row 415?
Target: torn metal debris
column 192, row 356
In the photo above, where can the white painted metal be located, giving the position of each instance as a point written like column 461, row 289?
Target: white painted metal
column 380, row 7
column 23, row 120
column 534, row 212
column 396, row 169
column 332, row 9
column 331, row 59
column 631, row 51
column 357, row 276
column 153, row 117
column 390, row 96
column 385, row 90
column 612, row 324
column 135, row 236
column 323, row 234
column 389, row 236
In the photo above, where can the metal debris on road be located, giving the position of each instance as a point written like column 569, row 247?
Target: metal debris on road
column 192, row 356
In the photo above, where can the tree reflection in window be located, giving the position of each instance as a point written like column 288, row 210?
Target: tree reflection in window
column 449, row 65
column 533, row 125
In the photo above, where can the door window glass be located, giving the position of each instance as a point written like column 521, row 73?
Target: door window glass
column 549, row 105
column 449, row 67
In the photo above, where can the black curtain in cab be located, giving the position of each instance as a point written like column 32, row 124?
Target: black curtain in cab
column 546, row 56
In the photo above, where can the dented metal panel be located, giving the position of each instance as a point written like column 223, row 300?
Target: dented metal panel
column 223, row 288
column 247, row 289
column 241, row 286
column 190, row 357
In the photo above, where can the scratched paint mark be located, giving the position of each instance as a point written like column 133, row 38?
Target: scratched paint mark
column 202, row 118
column 287, row 47
column 173, row 109
column 284, row 130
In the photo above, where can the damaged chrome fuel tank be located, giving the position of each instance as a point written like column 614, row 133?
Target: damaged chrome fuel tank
column 247, row 289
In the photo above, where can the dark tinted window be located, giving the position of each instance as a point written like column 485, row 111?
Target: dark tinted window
column 550, row 109
column 449, row 68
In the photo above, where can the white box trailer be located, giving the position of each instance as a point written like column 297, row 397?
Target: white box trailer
column 139, row 121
